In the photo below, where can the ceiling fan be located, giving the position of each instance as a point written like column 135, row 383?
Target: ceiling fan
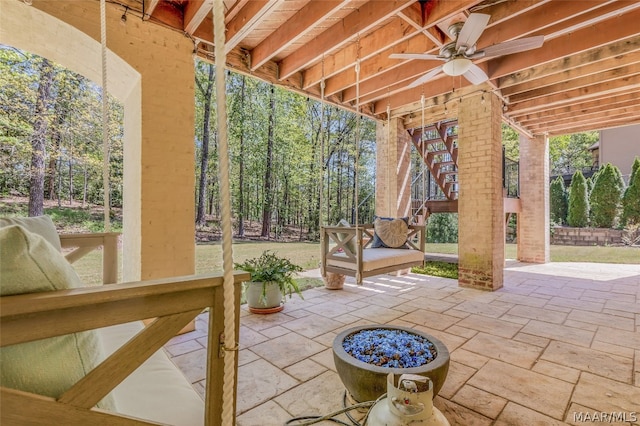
column 458, row 54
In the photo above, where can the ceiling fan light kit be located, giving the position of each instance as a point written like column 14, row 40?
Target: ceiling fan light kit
column 456, row 66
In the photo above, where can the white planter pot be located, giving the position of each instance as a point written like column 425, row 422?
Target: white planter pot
column 253, row 291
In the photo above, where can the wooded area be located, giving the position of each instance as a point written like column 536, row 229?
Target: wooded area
column 51, row 132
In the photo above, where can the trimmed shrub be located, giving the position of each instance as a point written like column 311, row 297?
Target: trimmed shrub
column 578, row 215
column 442, row 228
column 558, row 199
column 606, row 196
column 631, row 198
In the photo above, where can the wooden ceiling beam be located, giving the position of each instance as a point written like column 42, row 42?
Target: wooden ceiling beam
column 379, row 41
column 533, row 16
column 599, row 104
column 554, row 123
column 194, row 13
column 370, row 45
column 599, row 34
column 593, row 68
column 247, row 19
column 629, row 83
column 558, row 66
column 165, row 14
column 597, row 126
column 149, row 7
column 564, row 86
column 301, row 23
column 413, row 16
column 379, row 63
column 359, row 21
column 593, row 123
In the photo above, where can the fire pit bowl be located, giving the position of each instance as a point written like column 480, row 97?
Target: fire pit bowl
column 385, row 344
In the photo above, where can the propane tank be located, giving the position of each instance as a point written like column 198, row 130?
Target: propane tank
column 408, row 403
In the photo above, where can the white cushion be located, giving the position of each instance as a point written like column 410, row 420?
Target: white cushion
column 41, row 225
column 29, row 264
column 157, row 390
column 378, row 258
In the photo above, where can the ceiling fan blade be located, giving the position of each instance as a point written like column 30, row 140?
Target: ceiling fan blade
column 414, row 56
column 513, row 46
column 475, row 75
column 472, row 29
column 428, row 76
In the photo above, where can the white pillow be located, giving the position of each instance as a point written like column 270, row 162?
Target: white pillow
column 49, row 367
column 41, row 225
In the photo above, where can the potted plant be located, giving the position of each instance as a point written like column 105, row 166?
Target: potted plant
column 271, row 280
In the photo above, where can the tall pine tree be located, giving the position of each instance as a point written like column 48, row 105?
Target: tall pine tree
column 558, row 196
column 631, row 198
column 606, row 196
column 578, row 215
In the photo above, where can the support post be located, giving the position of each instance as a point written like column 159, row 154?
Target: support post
column 481, row 232
column 533, row 220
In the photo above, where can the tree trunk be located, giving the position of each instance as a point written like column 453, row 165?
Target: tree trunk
column 268, row 196
column 204, row 158
column 70, row 175
column 241, row 171
column 38, row 141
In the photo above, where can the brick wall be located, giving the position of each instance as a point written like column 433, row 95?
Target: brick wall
column 393, row 168
column 480, row 206
column 562, row 235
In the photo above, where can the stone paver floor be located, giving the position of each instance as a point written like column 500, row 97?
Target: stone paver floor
column 560, row 340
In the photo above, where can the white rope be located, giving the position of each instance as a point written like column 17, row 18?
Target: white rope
column 227, row 247
column 322, row 159
column 357, row 154
column 422, row 161
column 105, row 118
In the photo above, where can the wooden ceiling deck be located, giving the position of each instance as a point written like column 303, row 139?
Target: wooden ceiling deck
column 586, row 76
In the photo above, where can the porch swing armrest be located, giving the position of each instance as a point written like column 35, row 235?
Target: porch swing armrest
column 84, row 244
column 174, row 301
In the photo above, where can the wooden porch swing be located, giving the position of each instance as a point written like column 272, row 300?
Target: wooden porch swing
column 357, row 251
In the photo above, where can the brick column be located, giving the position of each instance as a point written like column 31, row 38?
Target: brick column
column 533, row 220
column 480, row 206
column 393, row 169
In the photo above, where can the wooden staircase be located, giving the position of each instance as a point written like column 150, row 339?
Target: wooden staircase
column 438, row 145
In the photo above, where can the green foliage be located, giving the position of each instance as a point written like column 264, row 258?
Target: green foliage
column 571, row 152
column 578, row 215
column 442, row 228
column 269, row 267
column 511, row 142
column 631, row 198
column 73, row 142
column 558, row 199
column 438, row 269
column 606, row 196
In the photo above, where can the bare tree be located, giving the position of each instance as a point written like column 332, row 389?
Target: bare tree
column 268, row 178
column 38, row 140
column 207, row 93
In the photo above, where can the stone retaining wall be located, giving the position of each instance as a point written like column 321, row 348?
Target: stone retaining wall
column 585, row 236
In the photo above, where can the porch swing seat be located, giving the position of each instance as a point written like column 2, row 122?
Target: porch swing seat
column 341, row 256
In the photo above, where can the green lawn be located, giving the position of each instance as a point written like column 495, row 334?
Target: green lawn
column 594, row 254
column 307, row 255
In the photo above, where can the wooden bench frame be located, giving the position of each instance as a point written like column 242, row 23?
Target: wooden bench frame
column 174, row 302
column 363, row 236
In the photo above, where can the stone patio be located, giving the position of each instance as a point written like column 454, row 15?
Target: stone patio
column 558, row 339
